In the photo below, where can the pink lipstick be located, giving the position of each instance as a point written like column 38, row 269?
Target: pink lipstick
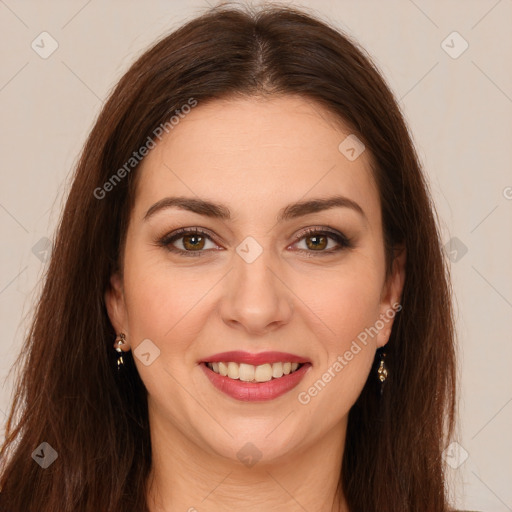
column 256, row 391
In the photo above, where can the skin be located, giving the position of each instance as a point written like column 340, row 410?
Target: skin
column 256, row 156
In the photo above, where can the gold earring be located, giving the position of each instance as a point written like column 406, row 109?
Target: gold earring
column 382, row 371
column 120, row 340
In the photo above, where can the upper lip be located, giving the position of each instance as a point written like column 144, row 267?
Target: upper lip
column 239, row 356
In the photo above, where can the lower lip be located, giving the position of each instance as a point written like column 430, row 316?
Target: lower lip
column 256, row 391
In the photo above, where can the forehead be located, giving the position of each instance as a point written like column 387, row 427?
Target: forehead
column 256, row 154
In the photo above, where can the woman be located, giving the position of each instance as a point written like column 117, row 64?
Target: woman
column 247, row 303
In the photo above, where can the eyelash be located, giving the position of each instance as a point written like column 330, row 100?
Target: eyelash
column 343, row 242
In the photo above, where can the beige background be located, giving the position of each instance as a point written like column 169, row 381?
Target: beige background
column 460, row 114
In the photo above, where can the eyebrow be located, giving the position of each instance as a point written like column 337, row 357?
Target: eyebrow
column 221, row 211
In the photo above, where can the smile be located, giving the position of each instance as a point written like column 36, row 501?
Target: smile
column 251, row 383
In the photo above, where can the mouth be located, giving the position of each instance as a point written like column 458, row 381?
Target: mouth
column 249, row 383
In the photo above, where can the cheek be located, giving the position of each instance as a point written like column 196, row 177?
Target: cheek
column 162, row 301
column 348, row 306
column 348, row 303
column 164, row 305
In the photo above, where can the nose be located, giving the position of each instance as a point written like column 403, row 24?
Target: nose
column 256, row 297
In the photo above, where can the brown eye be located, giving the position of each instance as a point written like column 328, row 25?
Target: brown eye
column 191, row 242
column 317, row 242
column 187, row 242
column 322, row 242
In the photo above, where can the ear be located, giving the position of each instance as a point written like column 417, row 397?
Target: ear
column 114, row 301
column 391, row 296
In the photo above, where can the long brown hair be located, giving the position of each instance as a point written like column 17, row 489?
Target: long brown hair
column 69, row 395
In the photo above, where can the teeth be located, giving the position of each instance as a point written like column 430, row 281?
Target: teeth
column 233, row 370
column 249, row 373
column 223, row 369
column 277, row 370
column 262, row 373
column 245, row 372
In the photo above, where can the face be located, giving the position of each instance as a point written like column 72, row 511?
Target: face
column 306, row 281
